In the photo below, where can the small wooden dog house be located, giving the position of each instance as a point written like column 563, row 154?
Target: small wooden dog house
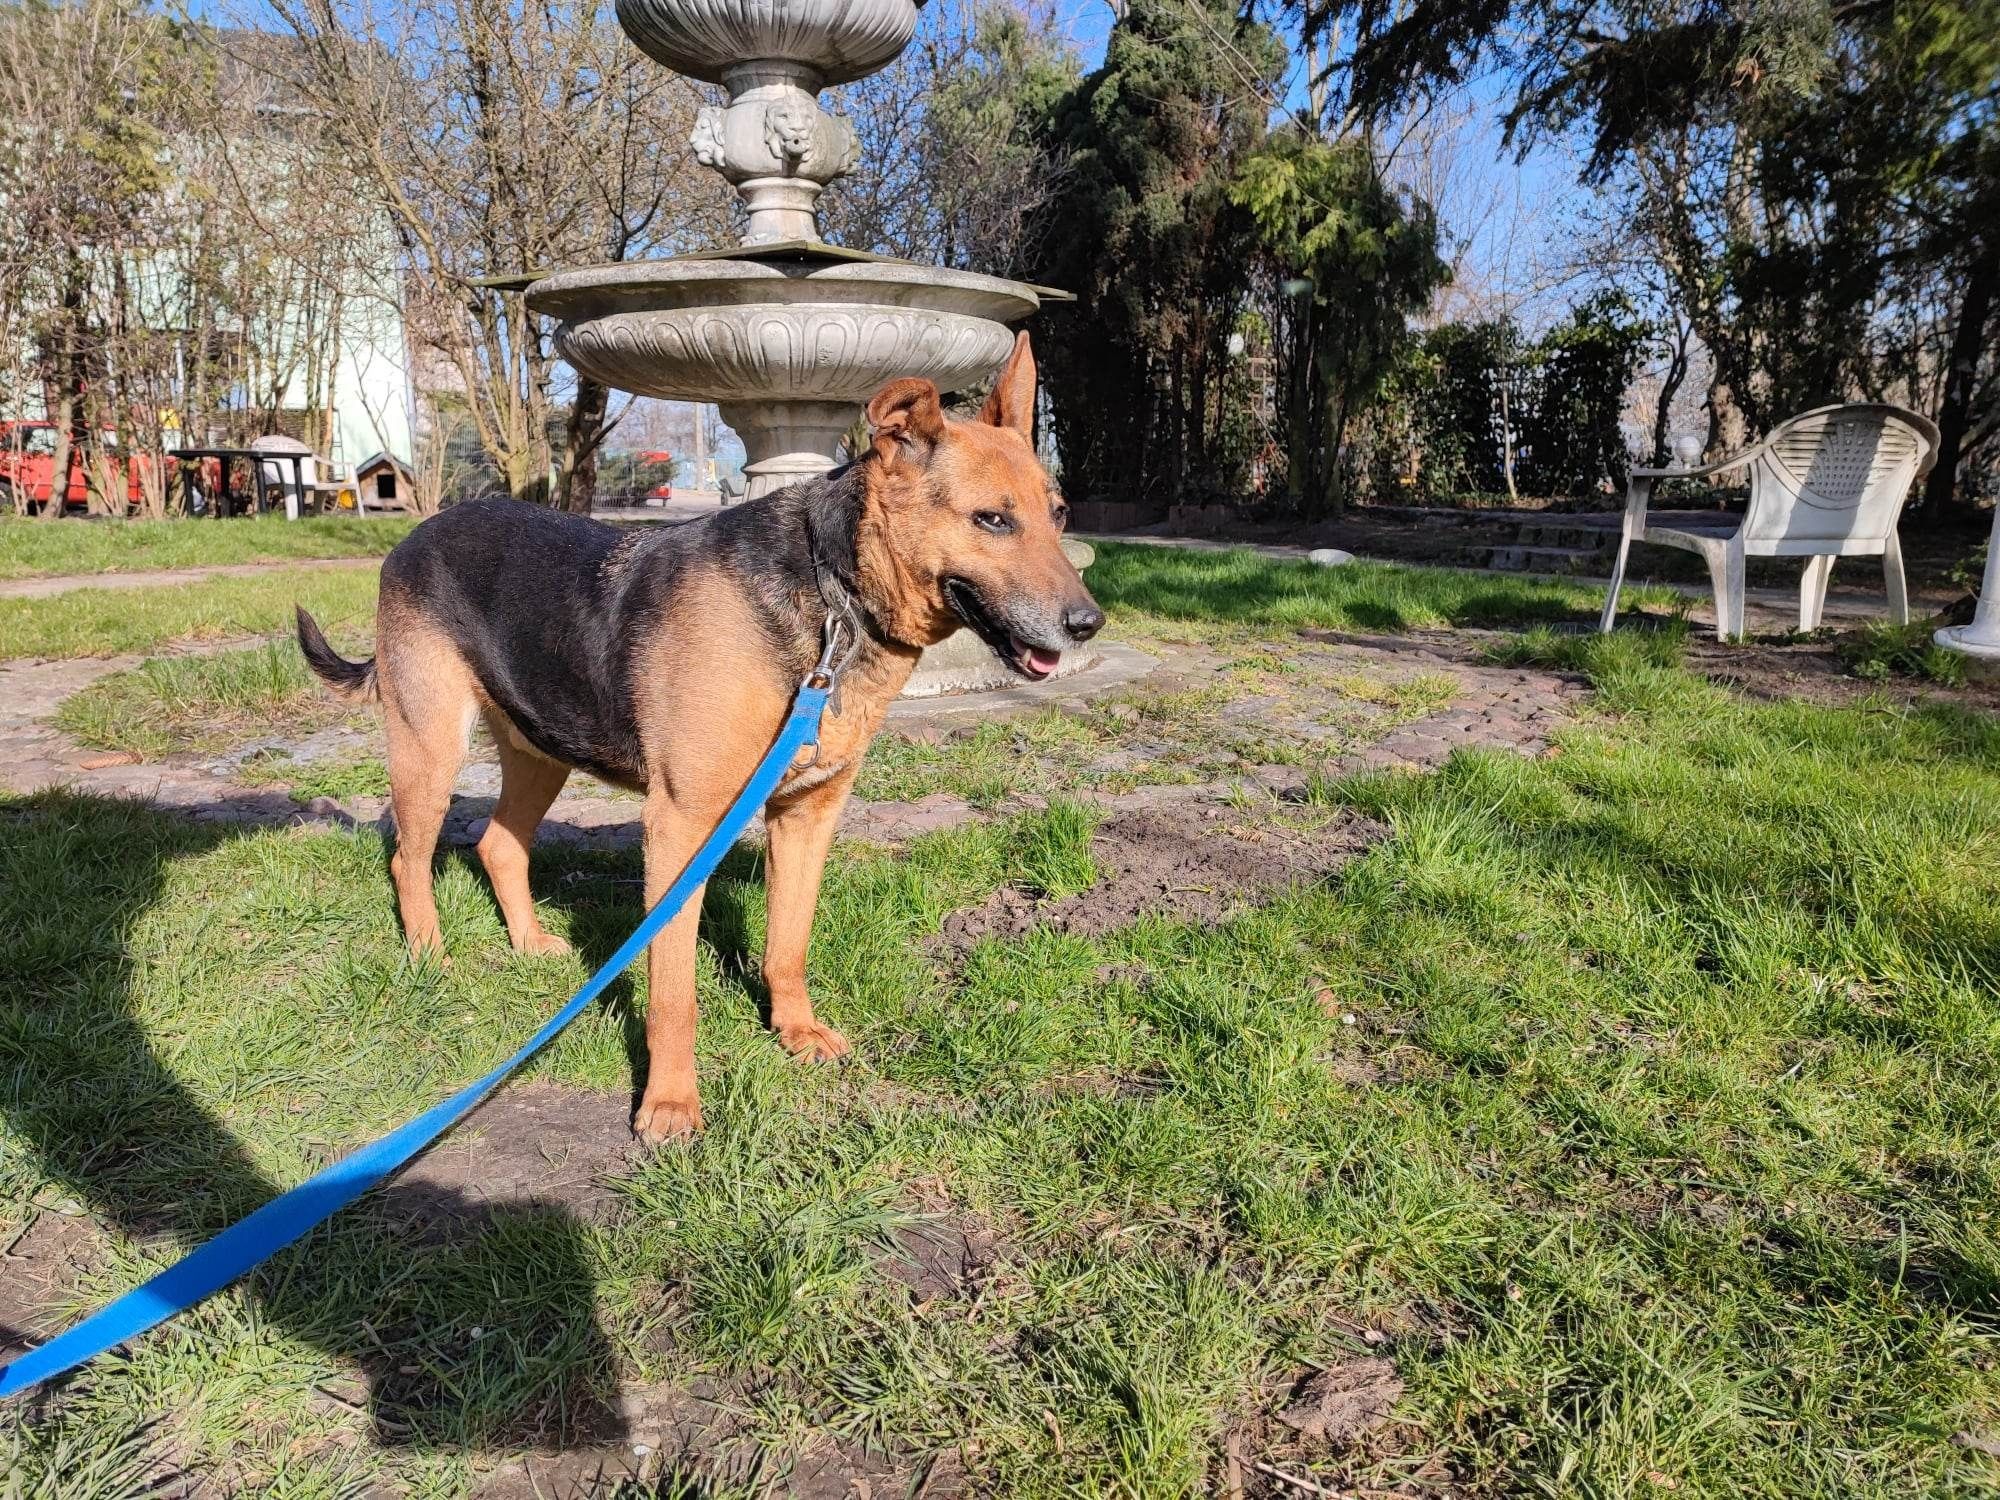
column 381, row 482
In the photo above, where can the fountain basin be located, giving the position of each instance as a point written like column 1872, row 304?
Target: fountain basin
column 837, row 40
column 790, row 349
column 808, row 330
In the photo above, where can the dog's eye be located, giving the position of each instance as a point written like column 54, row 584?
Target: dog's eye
column 1059, row 513
column 996, row 521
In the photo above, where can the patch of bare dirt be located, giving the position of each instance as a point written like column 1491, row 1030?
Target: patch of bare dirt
column 697, row 1439
column 537, row 1146
column 942, row 1258
column 1335, row 1404
column 63, row 583
column 1333, row 1432
column 1183, row 860
column 539, row 1143
column 1813, row 670
column 38, row 1272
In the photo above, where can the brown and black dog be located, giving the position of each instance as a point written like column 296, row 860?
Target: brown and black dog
column 665, row 660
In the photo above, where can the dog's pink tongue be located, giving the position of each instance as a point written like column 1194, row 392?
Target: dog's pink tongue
column 1042, row 661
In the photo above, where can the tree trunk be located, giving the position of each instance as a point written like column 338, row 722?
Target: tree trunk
column 1296, row 461
column 1677, row 368
column 104, row 479
column 1334, row 481
column 1198, row 401
column 1961, row 375
column 67, row 413
column 1739, row 348
column 64, row 417
column 527, row 477
column 586, row 430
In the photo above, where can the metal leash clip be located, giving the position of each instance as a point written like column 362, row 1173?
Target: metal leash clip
column 822, row 674
column 826, row 673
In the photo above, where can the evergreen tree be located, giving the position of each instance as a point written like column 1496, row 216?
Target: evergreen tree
column 1145, row 229
column 1326, row 218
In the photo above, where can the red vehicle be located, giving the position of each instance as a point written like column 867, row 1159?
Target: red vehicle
column 28, row 460
column 665, row 460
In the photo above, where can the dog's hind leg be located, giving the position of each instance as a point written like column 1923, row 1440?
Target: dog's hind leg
column 428, row 707
column 800, row 832
column 528, row 785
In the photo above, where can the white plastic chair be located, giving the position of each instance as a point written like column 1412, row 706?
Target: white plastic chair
column 1829, row 483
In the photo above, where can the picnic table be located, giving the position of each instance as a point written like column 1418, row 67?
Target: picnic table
column 264, row 496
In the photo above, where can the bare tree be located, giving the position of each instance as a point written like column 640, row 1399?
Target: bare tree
column 432, row 467
column 89, row 93
column 945, row 175
column 137, row 263
column 497, row 142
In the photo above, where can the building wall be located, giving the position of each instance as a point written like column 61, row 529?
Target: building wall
column 371, row 385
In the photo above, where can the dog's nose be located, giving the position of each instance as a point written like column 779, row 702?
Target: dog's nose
column 1083, row 621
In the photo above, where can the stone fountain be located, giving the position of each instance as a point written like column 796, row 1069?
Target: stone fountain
column 789, row 336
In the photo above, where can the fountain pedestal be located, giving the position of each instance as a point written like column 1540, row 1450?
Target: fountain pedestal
column 1981, row 638
column 786, row 442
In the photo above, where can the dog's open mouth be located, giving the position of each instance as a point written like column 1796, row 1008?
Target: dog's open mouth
column 1033, row 662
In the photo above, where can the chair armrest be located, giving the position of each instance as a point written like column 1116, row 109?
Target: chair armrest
column 1720, row 466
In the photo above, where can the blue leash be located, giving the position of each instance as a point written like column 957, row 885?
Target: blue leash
column 209, row 1268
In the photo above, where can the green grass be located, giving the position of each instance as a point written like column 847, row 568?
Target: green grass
column 994, row 760
column 33, row 549
column 1051, row 751
column 1240, row 587
column 1158, row 735
column 1662, row 1155
column 64, row 1460
column 1620, row 654
column 203, row 703
column 1055, row 858
column 108, row 622
column 338, row 777
column 193, row 703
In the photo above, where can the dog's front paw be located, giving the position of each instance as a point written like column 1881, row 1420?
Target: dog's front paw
column 813, row 1042
column 659, row 1120
column 540, row 943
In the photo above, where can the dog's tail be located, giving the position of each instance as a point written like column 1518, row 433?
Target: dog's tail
column 352, row 680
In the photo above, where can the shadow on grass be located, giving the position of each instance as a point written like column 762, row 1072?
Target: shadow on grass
column 395, row 1286
column 728, row 925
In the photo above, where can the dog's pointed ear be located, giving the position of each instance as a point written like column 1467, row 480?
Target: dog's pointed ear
column 905, row 419
column 1012, row 401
